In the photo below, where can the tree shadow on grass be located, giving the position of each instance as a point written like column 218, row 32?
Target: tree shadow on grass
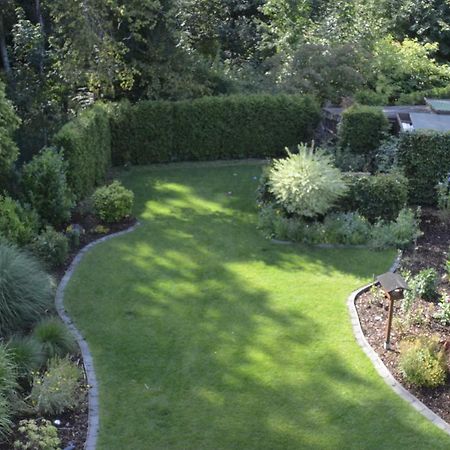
column 205, row 336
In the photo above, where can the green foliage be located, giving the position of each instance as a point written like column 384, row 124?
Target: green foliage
column 423, row 362
column 86, row 142
column 329, row 72
column 37, row 434
column 443, row 314
column 113, row 202
column 425, row 160
column 26, row 291
column 5, row 417
column 400, row 233
column 362, row 129
column 9, row 122
column 425, row 284
column 386, row 157
column 51, row 247
column 45, row 187
column 18, row 224
column 443, row 198
column 375, row 197
column 26, row 353
column 407, row 66
column 418, row 97
column 306, row 183
column 57, row 390
column 54, row 337
column 8, row 372
column 211, row 128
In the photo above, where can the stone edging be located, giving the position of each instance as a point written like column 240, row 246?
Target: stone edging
column 93, row 416
column 379, row 365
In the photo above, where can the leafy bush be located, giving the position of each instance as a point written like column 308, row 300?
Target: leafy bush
column 443, row 314
column 399, row 233
column 386, row 156
column 54, row 337
column 306, row 183
column 73, row 234
column 45, row 187
column 425, row 159
column 17, row 224
column 51, row 247
column 423, row 362
column 37, row 434
column 26, row 291
column 406, row 66
column 362, row 129
column 211, row 128
column 26, row 353
column 57, row 390
column 9, row 122
column 418, row 97
column 375, row 197
column 113, row 202
column 425, row 283
column 346, row 228
column 86, row 142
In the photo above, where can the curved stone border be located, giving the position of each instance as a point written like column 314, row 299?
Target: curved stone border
column 93, row 415
column 379, row 365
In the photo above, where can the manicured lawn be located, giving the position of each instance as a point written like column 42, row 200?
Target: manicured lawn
column 207, row 336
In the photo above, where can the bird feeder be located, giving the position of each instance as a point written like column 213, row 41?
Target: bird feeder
column 393, row 286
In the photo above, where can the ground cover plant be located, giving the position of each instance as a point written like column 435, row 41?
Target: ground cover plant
column 206, row 335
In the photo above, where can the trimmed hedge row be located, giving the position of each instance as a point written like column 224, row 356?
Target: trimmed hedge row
column 425, row 158
column 86, row 143
column 211, row 128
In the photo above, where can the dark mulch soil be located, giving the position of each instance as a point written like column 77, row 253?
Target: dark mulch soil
column 72, row 425
column 430, row 251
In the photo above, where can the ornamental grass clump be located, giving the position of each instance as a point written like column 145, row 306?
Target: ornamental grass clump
column 54, row 337
column 26, row 290
column 306, row 183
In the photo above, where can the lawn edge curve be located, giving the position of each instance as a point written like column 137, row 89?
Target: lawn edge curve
column 88, row 362
column 380, row 367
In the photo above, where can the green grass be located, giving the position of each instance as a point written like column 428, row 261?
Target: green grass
column 207, row 336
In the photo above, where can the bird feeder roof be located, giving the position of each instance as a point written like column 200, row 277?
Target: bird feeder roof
column 391, row 281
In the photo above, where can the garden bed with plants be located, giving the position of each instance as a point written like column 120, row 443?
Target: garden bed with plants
column 43, row 388
column 420, row 339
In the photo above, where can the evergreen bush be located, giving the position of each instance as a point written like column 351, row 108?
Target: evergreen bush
column 45, row 187
column 362, row 129
column 86, row 143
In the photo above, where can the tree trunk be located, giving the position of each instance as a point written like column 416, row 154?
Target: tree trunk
column 3, row 49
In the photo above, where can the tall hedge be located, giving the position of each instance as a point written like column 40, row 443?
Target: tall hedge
column 86, row 142
column 362, row 129
column 425, row 157
column 211, row 128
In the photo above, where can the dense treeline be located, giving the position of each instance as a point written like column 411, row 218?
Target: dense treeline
column 57, row 57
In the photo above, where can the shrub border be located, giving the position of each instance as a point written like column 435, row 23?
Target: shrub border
column 380, row 367
column 88, row 362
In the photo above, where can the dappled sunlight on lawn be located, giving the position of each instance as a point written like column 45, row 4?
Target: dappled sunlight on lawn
column 207, row 336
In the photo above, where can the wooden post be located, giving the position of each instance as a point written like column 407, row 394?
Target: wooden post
column 387, row 342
